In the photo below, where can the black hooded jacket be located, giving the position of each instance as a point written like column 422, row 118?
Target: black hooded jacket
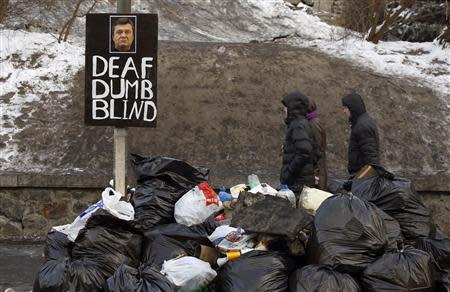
column 300, row 153
column 364, row 142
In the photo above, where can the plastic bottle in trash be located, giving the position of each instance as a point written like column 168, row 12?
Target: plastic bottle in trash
column 253, row 181
column 287, row 194
column 234, row 254
column 224, row 196
column 222, row 261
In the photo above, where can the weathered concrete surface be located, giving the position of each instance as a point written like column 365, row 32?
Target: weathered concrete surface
column 29, row 213
column 439, row 205
column 20, row 262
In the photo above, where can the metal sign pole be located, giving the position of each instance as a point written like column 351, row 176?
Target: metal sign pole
column 120, row 134
column 124, row 6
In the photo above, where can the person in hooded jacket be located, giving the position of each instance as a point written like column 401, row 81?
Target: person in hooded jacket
column 320, row 138
column 363, row 147
column 300, row 153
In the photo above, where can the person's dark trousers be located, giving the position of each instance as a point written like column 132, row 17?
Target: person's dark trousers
column 297, row 189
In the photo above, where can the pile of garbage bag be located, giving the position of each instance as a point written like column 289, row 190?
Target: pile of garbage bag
column 178, row 233
column 397, row 197
column 349, row 234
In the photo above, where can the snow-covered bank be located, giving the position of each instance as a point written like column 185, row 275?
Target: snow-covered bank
column 32, row 65
column 427, row 63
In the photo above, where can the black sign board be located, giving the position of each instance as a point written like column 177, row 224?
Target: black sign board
column 121, row 67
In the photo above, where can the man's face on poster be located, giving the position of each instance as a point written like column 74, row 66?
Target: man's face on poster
column 123, row 37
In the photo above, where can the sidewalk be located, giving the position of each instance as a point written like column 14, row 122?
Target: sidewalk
column 20, row 262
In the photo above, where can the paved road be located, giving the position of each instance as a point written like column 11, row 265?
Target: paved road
column 19, row 263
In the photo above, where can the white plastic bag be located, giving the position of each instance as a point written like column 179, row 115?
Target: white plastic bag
column 219, row 234
column 188, row 273
column 79, row 222
column 312, row 198
column 264, row 189
column 110, row 201
column 197, row 205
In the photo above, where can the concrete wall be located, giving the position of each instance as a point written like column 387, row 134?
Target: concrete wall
column 31, row 204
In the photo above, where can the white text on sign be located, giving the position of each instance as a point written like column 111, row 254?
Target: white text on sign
column 134, row 97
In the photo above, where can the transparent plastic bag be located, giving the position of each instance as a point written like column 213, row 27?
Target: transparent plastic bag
column 188, row 273
column 110, row 201
column 197, row 205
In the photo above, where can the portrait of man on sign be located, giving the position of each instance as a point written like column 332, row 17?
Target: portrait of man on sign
column 123, row 31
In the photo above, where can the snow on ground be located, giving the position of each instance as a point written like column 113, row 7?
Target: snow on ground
column 427, row 63
column 31, row 65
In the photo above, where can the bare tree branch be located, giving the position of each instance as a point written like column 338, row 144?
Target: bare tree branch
column 89, row 10
column 376, row 12
column 376, row 31
column 446, row 10
column 65, row 31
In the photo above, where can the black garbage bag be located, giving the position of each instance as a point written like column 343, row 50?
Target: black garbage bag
column 397, row 197
column 181, row 173
column 336, row 186
column 144, row 279
column 439, row 249
column 162, row 182
column 181, row 232
column 443, row 282
column 314, row 278
column 57, row 246
column 52, row 273
column 349, row 234
column 168, row 241
column 101, row 247
column 273, row 216
column 109, row 242
column 408, row 269
column 87, row 275
column 64, row 275
column 441, row 278
column 256, row 271
column 393, row 231
column 52, row 276
column 161, row 248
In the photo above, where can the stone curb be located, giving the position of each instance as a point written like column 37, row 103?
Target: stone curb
column 432, row 183
column 53, row 181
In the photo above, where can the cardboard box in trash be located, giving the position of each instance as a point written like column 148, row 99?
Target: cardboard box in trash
column 365, row 172
column 209, row 254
